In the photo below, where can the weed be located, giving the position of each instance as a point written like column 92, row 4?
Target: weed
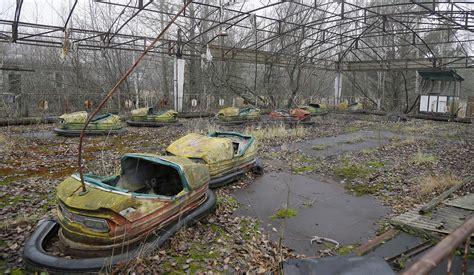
column 249, row 229
column 227, row 201
column 284, row 213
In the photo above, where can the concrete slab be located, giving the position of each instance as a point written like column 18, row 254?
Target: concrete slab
column 324, row 209
column 350, row 142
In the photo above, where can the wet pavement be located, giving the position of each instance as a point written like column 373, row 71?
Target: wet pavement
column 350, row 142
column 324, row 208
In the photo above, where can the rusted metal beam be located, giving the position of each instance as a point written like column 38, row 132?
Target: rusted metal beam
column 371, row 244
column 70, row 14
column 442, row 250
column 16, row 19
column 437, row 200
column 115, row 88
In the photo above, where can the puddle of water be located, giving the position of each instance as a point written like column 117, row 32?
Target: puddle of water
column 351, row 142
column 324, row 209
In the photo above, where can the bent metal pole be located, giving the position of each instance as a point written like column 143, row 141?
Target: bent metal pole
column 442, row 250
column 114, row 89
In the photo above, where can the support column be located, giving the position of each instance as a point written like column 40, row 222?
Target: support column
column 337, row 88
column 178, row 82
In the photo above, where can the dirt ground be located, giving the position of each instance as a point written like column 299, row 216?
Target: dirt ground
column 422, row 159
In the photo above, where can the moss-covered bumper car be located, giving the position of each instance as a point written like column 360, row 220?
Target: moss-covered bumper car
column 146, row 117
column 228, row 155
column 293, row 117
column 315, row 109
column 236, row 116
column 72, row 124
column 123, row 216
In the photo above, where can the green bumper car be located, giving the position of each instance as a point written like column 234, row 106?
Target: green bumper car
column 236, row 116
column 120, row 217
column 146, row 117
column 72, row 124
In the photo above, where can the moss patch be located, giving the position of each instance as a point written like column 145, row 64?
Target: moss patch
column 354, row 141
column 345, row 250
column 320, row 147
column 363, row 189
column 284, row 213
column 303, row 169
column 375, row 164
column 352, row 172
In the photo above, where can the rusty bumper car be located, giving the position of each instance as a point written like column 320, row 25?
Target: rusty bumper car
column 228, row 155
column 72, row 124
column 120, row 217
column 146, row 117
column 293, row 117
column 238, row 116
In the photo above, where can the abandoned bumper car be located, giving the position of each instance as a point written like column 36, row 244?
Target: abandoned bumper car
column 315, row 109
column 146, row 117
column 237, row 116
column 228, row 155
column 120, row 217
column 72, row 124
column 293, row 117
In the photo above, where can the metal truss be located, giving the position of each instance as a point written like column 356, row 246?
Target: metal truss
column 339, row 34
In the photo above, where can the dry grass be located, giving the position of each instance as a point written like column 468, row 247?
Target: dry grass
column 202, row 126
column 425, row 159
column 436, row 184
column 276, row 132
column 6, row 144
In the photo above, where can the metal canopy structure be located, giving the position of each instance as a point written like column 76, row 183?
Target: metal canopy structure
column 341, row 35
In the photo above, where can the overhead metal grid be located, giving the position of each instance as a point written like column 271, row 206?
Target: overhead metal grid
column 344, row 35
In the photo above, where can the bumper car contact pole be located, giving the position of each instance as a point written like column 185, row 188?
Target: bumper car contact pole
column 115, row 88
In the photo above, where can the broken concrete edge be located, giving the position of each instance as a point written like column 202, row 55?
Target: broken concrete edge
column 36, row 257
column 432, row 236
